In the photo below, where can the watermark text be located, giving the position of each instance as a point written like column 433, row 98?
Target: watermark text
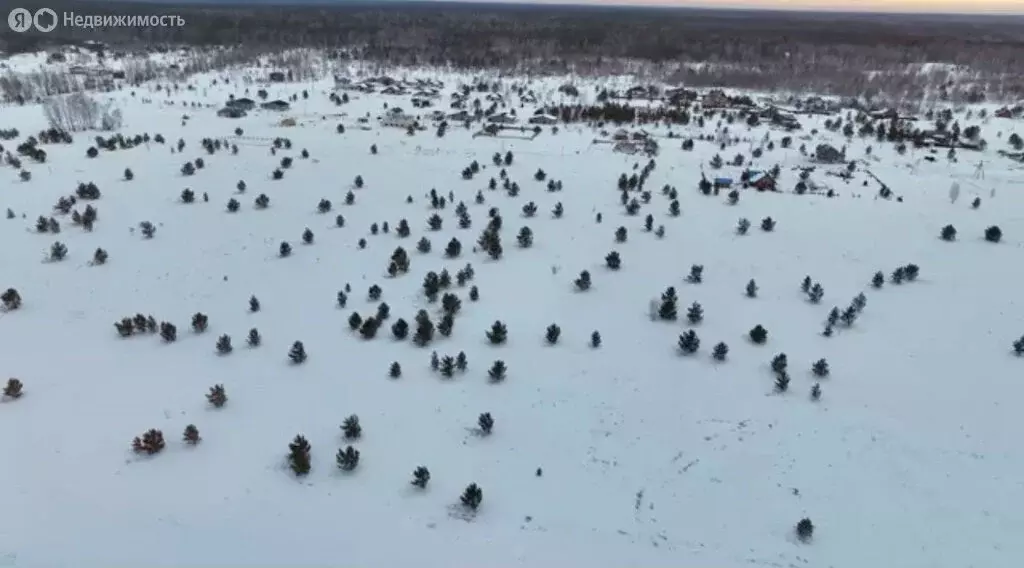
column 47, row 20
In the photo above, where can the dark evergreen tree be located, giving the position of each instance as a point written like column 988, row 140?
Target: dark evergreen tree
column 307, row 237
column 552, row 334
column 486, row 423
column 351, row 428
column 297, row 354
column 497, row 371
column 224, row 345
column 695, row 313
column 474, row 294
column 742, row 226
column 948, row 233
column 347, row 459
column 299, row 456
column 498, row 333
column 583, row 282
column 473, row 495
column 805, row 529
column 759, row 334
column 217, row 397
column 595, row 339
column 816, row 293
column 613, row 260
column 816, row 392
column 689, row 343
column 805, row 286
column 254, row 338
column 424, row 329
column 993, row 234
column 354, row 321
column 285, row 249
column 877, row 280
column 780, row 363
column 254, row 304
column 752, row 289
column 820, row 368
column 420, row 477
column 620, row 235
column 400, row 329
column 720, row 352
column 446, row 325
column 782, row 382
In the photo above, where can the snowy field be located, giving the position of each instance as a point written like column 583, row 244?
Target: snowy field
column 647, row 456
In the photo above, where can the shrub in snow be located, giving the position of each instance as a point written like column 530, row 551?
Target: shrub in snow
column 695, row 313
column 224, row 345
column 395, row 370
column 217, row 396
column 297, row 354
column 948, row 233
column 299, row 456
column 11, row 299
column 191, row 435
column 816, row 392
column 759, row 334
column 352, row 428
column 424, row 329
column 552, row 334
column 820, row 368
column 689, row 343
column 595, row 339
column 150, row 443
column 720, row 351
column 168, row 332
column 993, row 234
column 486, row 423
column 254, row 339
column 696, row 274
column 782, row 382
column 13, row 389
column 498, row 333
column 805, row 529
column 58, row 251
column 473, row 495
column 420, row 477
column 742, row 226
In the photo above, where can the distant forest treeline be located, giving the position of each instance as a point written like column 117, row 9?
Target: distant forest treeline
column 826, row 53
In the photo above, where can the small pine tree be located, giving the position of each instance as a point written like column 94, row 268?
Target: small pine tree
column 473, row 495
column 816, row 392
column 461, row 363
column 742, row 226
column 486, row 423
column 759, row 334
column 583, row 282
column 752, row 289
column 552, row 334
column 689, row 343
column 224, row 344
column 447, row 367
column 254, row 339
column 351, row 427
column 13, row 389
column 695, row 314
column 354, row 321
column 613, row 261
column 498, row 334
column 782, row 382
column 696, row 275
column 420, row 477
column 820, row 368
column 497, row 371
column 805, row 285
column 816, row 293
column 804, row 529
column 993, row 234
column 254, row 304
column 595, row 339
column 200, row 322
column 720, row 352
column 948, row 233
column 297, row 354
column 1018, row 346
column 191, row 435
column 779, row 363
column 299, row 456
column 877, row 280
column 217, row 396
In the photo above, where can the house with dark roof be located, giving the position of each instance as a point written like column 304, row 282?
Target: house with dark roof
column 277, row 105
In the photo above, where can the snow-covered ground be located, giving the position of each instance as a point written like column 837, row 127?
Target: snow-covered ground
column 649, row 457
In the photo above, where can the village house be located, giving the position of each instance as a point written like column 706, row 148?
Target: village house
column 231, row 112
column 420, row 102
column 396, row 118
column 715, row 98
column 501, row 118
column 545, row 119
column 276, row 77
column 244, row 104
column 277, row 105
